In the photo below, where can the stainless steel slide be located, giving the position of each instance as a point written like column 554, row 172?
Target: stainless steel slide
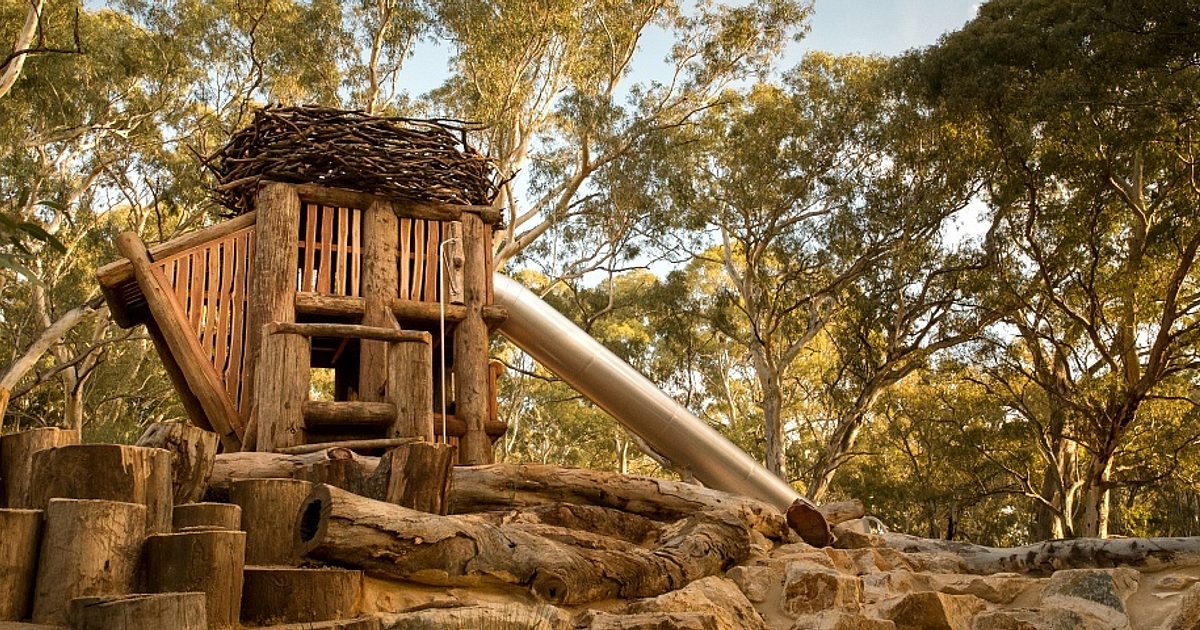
column 633, row 400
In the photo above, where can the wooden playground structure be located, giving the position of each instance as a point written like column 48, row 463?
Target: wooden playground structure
column 316, row 277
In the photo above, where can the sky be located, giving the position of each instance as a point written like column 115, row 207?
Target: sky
column 886, row 27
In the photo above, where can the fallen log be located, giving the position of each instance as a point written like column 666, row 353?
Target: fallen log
column 192, row 450
column 1047, row 557
column 391, row 541
column 503, row 487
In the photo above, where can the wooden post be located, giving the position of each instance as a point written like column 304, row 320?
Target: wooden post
column 291, row 595
column 192, row 451
column 210, row 562
column 410, row 388
column 202, row 379
column 89, row 548
column 379, row 286
column 16, row 460
column 113, row 472
column 274, row 388
column 417, row 475
column 178, row 611
column 207, row 515
column 281, row 389
column 269, row 511
column 471, row 348
column 20, row 535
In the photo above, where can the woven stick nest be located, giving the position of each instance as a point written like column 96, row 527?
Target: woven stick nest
column 399, row 158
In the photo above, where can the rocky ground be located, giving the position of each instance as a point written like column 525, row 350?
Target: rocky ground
column 799, row 587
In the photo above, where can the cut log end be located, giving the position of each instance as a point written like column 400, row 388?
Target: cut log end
column 312, row 520
column 810, row 524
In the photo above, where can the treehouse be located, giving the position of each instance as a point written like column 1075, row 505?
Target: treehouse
column 361, row 253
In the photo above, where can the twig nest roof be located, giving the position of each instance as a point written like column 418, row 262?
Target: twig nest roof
column 400, row 158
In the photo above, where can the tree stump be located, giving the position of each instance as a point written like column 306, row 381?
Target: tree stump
column 112, row 472
column 293, row 595
column 89, row 548
column 417, row 475
column 20, row 534
column 269, row 510
column 207, row 515
column 210, row 562
column 178, row 611
column 192, row 451
column 16, row 459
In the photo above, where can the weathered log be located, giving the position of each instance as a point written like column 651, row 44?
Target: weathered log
column 362, row 623
column 409, row 387
column 89, row 548
column 192, row 450
column 417, row 475
column 16, row 460
column 842, row 511
column 259, row 465
column 220, row 516
column 323, row 414
column 809, row 523
column 509, row 486
column 602, row 521
column 394, row 542
column 20, row 535
column 362, row 444
column 269, row 509
column 379, row 281
column 209, row 562
column 1148, row 554
column 502, row 487
column 277, row 390
column 406, row 310
column 292, row 595
column 178, row 611
column 112, row 472
column 471, row 347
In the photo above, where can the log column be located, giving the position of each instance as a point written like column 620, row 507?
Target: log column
column 471, row 347
column 90, row 548
column 410, row 388
column 269, row 511
column 20, row 534
column 16, row 460
column 112, row 472
column 210, row 562
column 379, row 283
column 280, row 369
column 192, row 451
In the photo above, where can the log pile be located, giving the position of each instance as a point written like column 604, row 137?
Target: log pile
column 421, row 161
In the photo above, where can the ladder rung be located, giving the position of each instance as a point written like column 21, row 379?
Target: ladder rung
column 323, row 413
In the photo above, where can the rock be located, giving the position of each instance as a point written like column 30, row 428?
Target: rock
column 1176, row 582
column 511, row 616
column 850, row 536
column 878, row 587
column 1098, row 594
column 713, row 595
column 755, row 581
column 648, row 621
column 840, row 620
column 997, row 589
column 1030, row 619
column 810, row 591
column 1187, row 614
column 934, row 611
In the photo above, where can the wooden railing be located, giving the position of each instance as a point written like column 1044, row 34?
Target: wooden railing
column 211, row 282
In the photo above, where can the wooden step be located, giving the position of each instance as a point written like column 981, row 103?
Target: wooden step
column 282, row 595
column 324, row 414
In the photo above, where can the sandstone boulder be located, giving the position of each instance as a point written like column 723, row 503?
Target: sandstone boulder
column 754, row 581
column 807, row 591
column 510, row 616
column 1030, row 619
column 1097, row 594
column 716, row 596
column 934, row 611
column 650, row 621
column 840, row 620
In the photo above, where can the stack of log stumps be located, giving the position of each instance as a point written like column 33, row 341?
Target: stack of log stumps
column 169, row 534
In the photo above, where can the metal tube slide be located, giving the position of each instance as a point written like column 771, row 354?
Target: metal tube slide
column 632, row 399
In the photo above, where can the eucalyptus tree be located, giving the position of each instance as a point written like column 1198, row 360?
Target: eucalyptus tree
column 1089, row 112
column 552, row 83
